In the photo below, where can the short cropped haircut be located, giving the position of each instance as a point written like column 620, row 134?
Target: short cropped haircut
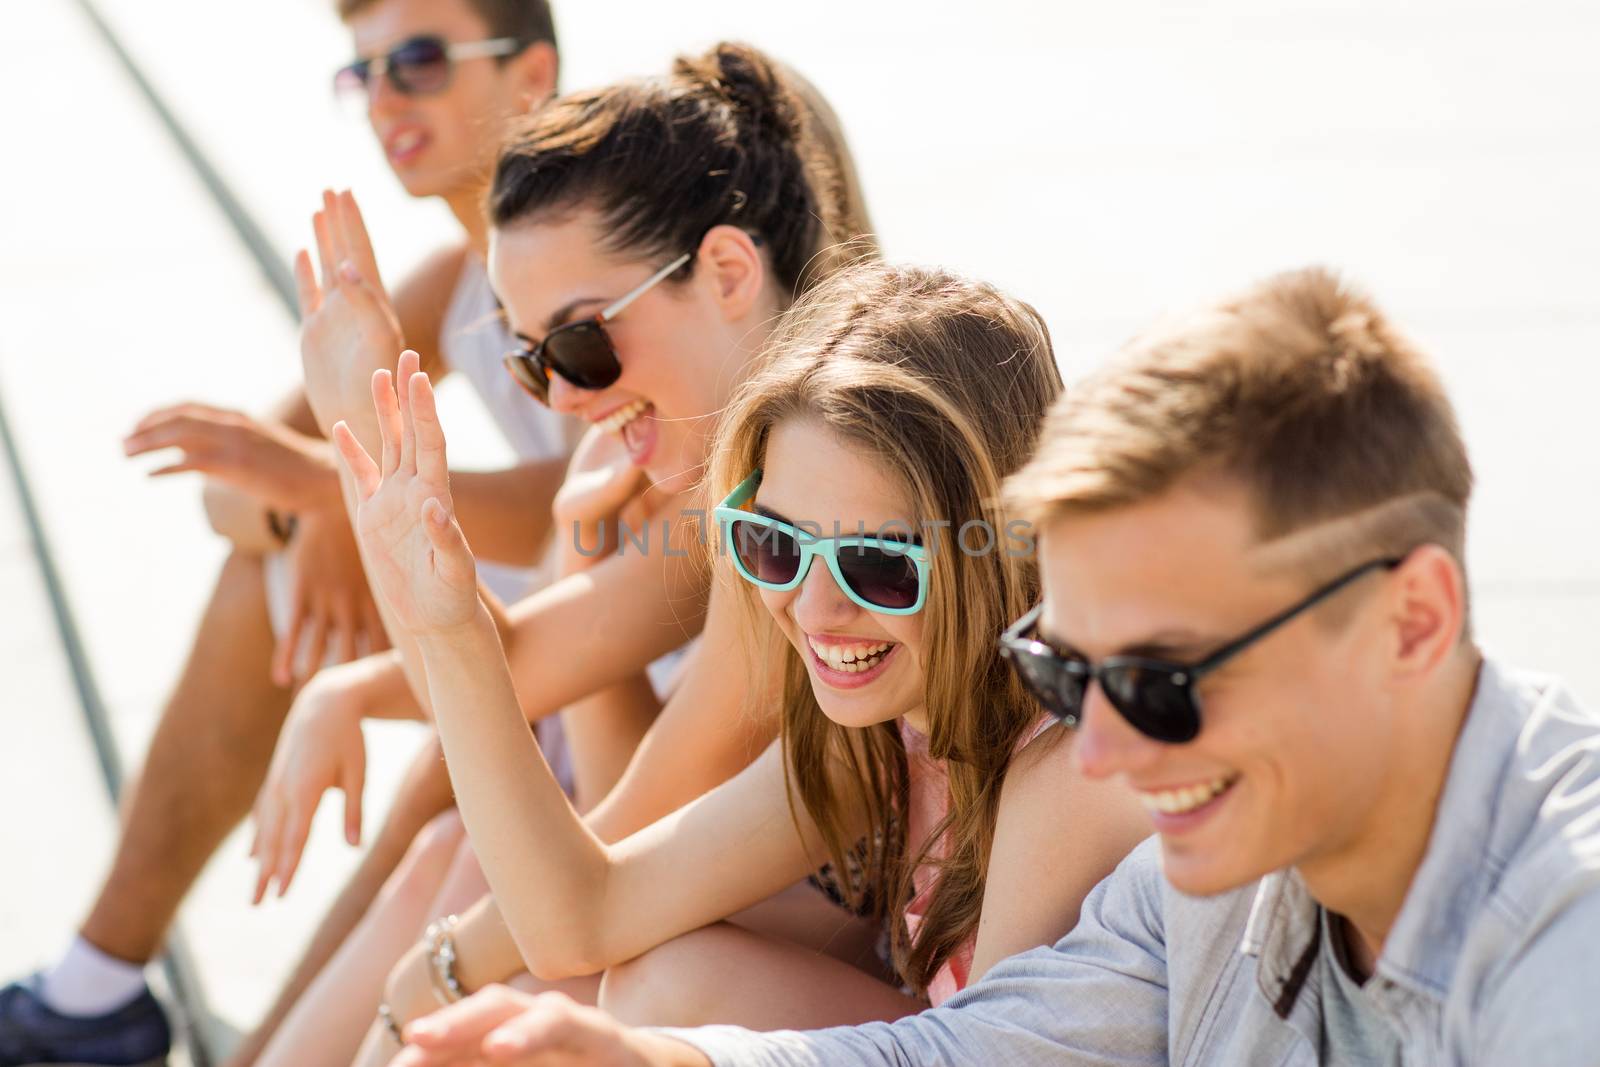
column 529, row 21
column 1300, row 390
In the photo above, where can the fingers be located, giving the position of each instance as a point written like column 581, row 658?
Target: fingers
column 352, row 780
column 344, row 631
column 356, row 462
column 428, row 433
column 452, row 559
column 194, row 463
column 468, row 1022
column 410, row 363
column 265, row 846
column 358, row 243
column 309, row 295
column 292, row 843
column 316, row 642
column 170, row 430
column 391, row 423
column 284, row 656
column 327, row 258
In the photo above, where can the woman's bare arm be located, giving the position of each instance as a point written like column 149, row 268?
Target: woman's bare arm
column 1043, row 865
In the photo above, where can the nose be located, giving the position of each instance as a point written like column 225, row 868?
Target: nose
column 567, row 398
column 819, row 604
column 1106, row 744
column 382, row 97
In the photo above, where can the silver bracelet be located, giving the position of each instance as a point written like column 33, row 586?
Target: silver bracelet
column 440, row 938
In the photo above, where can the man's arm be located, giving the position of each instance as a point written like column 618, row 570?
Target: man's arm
column 506, row 513
column 1099, row 996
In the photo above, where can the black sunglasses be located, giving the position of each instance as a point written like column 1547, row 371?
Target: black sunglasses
column 420, row 65
column 581, row 352
column 1156, row 697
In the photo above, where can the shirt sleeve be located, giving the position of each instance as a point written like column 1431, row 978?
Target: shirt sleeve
column 1097, row 997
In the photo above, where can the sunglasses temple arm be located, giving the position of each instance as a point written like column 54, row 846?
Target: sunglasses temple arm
column 649, row 283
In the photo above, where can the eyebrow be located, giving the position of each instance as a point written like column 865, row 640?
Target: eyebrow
column 882, row 535
column 1178, row 645
column 561, row 314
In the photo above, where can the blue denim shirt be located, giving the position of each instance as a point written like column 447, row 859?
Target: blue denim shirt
column 1493, row 960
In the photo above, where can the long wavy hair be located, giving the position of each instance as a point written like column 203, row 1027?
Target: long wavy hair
column 945, row 382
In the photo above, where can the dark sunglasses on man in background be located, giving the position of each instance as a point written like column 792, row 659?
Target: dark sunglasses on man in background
column 420, row 65
column 1156, row 697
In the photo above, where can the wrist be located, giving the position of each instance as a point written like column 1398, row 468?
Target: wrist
column 469, row 635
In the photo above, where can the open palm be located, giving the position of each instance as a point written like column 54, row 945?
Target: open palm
column 417, row 557
column 348, row 325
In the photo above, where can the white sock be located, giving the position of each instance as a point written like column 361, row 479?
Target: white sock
column 86, row 981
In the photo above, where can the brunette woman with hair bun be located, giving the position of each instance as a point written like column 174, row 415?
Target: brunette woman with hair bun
column 645, row 239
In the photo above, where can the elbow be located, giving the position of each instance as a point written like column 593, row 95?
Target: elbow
column 555, row 960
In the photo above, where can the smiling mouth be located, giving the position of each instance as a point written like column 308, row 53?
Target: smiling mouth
column 406, row 144
column 614, row 422
column 851, row 659
column 1189, row 798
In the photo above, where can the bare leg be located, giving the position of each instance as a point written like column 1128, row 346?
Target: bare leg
column 424, row 793
column 205, row 764
column 326, row 1024
column 727, row 974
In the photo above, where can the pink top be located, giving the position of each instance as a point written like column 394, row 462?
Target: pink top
column 929, row 803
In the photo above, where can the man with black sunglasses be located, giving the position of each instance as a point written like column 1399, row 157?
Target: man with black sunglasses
column 1373, row 844
column 440, row 80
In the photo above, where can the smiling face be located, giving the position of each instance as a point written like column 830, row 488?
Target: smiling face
column 865, row 667
column 443, row 143
column 680, row 346
column 1297, row 732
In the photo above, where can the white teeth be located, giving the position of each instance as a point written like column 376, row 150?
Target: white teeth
column 614, row 422
column 1179, row 801
column 849, row 659
column 406, row 142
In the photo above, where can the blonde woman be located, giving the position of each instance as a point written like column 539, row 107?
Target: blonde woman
column 894, row 403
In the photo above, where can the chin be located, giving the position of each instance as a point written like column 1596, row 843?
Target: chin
column 1197, row 873
column 854, row 714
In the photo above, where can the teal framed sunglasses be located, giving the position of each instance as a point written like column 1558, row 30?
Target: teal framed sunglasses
column 879, row 573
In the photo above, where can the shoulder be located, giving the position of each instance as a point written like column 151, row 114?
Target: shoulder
column 1044, row 784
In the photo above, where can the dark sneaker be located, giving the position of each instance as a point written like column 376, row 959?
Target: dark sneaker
column 31, row 1035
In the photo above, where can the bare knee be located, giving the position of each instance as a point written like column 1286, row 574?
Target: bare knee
column 673, row 984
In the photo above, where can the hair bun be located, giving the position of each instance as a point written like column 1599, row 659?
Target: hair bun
column 751, row 82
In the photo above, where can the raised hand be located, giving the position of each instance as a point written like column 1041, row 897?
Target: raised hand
column 417, row 557
column 348, row 327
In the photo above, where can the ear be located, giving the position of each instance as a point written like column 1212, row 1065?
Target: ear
column 730, row 263
column 536, row 69
column 1429, row 611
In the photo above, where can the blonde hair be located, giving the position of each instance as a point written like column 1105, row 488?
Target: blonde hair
column 1301, row 391
column 944, row 382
